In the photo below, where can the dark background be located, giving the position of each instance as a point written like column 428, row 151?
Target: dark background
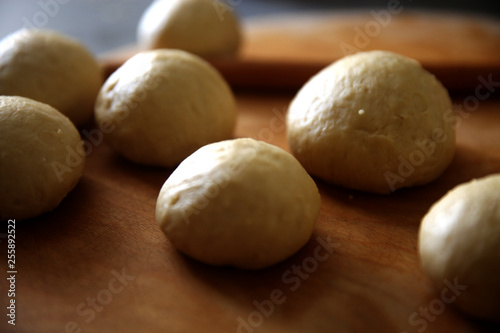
column 106, row 24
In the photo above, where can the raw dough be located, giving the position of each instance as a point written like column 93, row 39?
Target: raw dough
column 41, row 157
column 459, row 239
column 241, row 202
column 373, row 121
column 160, row 106
column 203, row 27
column 50, row 68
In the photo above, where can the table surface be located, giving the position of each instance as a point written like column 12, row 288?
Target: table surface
column 106, row 25
column 99, row 262
column 105, row 229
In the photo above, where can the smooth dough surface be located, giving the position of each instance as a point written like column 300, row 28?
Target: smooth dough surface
column 459, row 238
column 242, row 202
column 51, row 68
column 374, row 121
column 202, row 27
column 40, row 160
column 162, row 105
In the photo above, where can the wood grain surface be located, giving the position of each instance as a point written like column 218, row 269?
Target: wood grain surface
column 105, row 229
column 285, row 51
column 99, row 262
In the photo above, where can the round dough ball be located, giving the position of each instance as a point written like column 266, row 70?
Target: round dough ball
column 40, row 161
column 242, row 202
column 459, row 242
column 374, row 121
column 160, row 106
column 50, row 68
column 202, row 27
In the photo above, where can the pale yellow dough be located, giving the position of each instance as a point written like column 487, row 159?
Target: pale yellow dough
column 162, row 105
column 374, row 121
column 242, row 202
column 203, row 27
column 459, row 238
column 41, row 158
column 51, row 68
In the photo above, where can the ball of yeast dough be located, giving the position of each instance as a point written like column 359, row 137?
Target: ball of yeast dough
column 202, row 27
column 50, row 68
column 459, row 242
column 242, row 202
column 162, row 105
column 39, row 157
column 374, row 121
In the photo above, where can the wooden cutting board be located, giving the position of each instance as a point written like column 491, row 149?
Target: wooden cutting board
column 371, row 282
column 99, row 263
column 285, row 51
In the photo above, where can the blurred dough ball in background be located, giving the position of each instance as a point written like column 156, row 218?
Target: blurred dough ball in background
column 162, row 105
column 203, row 27
column 51, row 68
column 374, row 121
column 459, row 241
column 40, row 161
column 242, row 202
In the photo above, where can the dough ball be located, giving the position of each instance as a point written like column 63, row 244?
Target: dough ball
column 459, row 242
column 374, row 121
column 50, row 68
column 203, row 27
column 241, row 202
column 40, row 160
column 160, row 106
